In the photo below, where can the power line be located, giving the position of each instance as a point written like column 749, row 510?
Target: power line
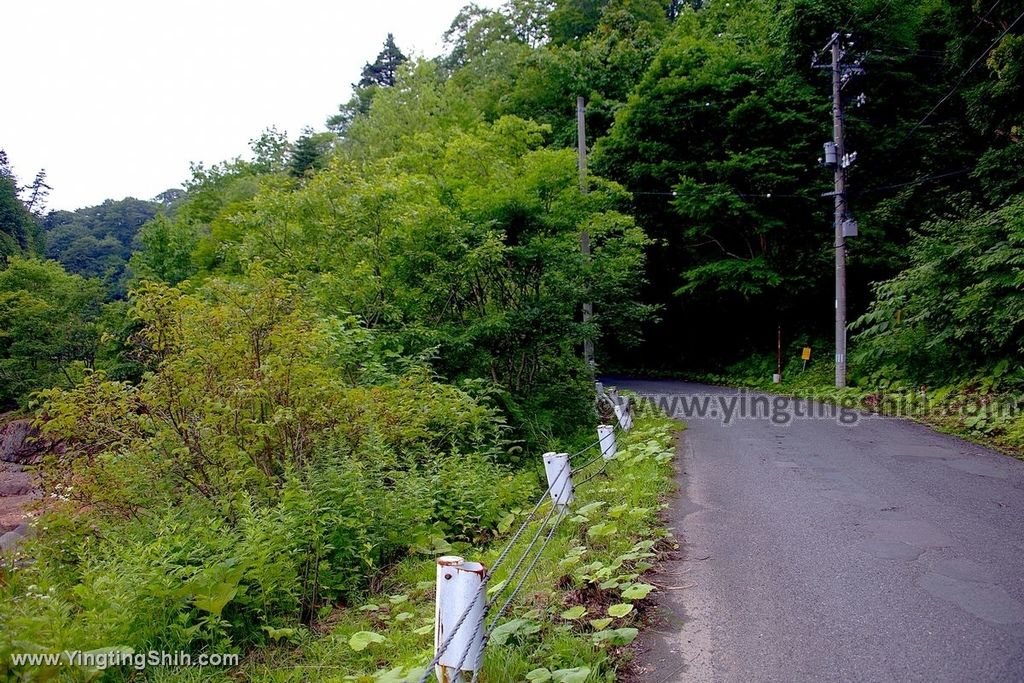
column 744, row 195
column 980, row 22
column 918, row 181
column 960, row 80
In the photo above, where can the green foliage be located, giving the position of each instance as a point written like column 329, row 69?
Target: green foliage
column 959, row 305
column 461, row 245
column 546, row 637
column 384, row 69
column 381, row 73
column 309, row 152
column 332, row 346
column 49, row 327
column 19, row 228
column 97, row 241
column 249, row 479
column 718, row 139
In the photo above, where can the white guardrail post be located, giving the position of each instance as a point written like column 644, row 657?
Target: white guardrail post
column 458, row 584
column 606, row 437
column 559, row 474
column 622, row 414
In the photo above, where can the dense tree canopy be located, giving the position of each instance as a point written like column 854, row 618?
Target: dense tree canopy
column 97, row 241
column 19, row 227
column 50, row 327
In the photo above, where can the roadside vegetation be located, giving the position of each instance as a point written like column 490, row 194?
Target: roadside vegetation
column 576, row 613
column 332, row 574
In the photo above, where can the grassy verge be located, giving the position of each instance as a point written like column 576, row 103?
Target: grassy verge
column 578, row 609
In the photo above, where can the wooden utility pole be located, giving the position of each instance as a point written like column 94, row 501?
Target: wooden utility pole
column 839, row 159
column 840, row 209
column 581, row 137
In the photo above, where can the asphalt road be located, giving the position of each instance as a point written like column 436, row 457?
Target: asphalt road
column 817, row 551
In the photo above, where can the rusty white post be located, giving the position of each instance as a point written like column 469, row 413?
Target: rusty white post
column 458, row 584
column 606, row 436
column 559, row 473
column 622, row 414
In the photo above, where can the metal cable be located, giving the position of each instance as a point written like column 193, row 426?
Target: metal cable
column 529, row 547
column 522, row 581
column 585, row 449
column 526, row 522
column 600, row 471
column 503, row 556
column 451, row 636
column 587, row 463
column 526, row 574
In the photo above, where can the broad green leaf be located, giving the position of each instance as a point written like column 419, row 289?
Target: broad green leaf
column 515, row 627
column 541, row 675
column 620, row 610
column 638, row 591
column 602, row 530
column 617, row 638
column 600, row 624
column 590, row 507
column 506, row 523
column 618, row 510
column 574, row 613
column 576, row 675
column 215, row 597
column 278, row 633
column 361, row 640
column 398, row 675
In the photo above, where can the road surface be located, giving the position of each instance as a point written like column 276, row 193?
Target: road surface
column 817, row 551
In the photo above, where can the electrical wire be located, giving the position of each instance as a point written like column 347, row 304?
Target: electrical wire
column 917, row 181
column 960, row 80
column 980, row 22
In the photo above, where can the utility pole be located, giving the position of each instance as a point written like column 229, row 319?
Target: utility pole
column 581, row 138
column 840, row 215
column 837, row 157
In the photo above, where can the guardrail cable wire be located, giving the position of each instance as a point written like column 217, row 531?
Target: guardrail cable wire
column 527, row 552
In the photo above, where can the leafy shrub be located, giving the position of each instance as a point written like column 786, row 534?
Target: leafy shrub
column 246, row 481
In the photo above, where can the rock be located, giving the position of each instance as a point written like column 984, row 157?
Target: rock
column 9, row 540
column 14, row 480
column 20, row 442
column 20, row 448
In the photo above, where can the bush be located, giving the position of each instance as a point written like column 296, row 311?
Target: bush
column 246, row 482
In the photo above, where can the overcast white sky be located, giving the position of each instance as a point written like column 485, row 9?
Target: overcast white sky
column 114, row 98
